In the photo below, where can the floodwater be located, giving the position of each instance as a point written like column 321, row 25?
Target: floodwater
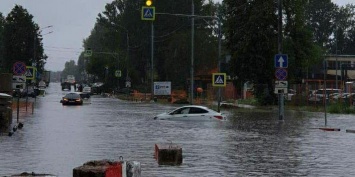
column 55, row 139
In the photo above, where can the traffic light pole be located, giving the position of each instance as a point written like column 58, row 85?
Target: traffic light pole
column 152, row 61
column 192, row 53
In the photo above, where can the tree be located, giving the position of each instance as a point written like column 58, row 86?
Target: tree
column 252, row 38
column 2, row 22
column 70, row 69
column 343, row 40
column 299, row 43
column 22, row 40
column 320, row 18
column 121, row 21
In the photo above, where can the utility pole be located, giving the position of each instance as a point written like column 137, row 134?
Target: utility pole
column 192, row 52
column 152, row 61
column 279, row 41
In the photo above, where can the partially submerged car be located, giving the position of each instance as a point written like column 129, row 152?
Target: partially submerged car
column 72, row 99
column 191, row 112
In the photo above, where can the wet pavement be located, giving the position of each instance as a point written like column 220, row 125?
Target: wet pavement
column 55, row 139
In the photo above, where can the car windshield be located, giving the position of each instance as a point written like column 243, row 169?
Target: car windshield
column 72, row 96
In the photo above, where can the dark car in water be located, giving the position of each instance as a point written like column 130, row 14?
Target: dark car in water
column 72, row 99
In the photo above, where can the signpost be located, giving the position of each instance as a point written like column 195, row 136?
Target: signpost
column 281, row 63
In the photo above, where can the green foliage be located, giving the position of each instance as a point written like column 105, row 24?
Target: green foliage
column 344, row 30
column 172, row 35
column 22, row 40
column 252, row 39
column 298, row 41
column 320, row 18
column 342, row 108
column 2, row 23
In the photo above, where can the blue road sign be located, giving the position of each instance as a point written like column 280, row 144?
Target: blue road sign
column 281, row 61
column 148, row 13
column 281, row 74
column 219, row 79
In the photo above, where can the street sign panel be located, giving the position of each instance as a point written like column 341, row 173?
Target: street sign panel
column 281, row 84
column 280, row 90
column 118, row 73
column 281, row 61
column 162, row 88
column 281, row 74
column 88, row 53
column 219, row 79
column 128, row 84
column 19, row 68
column 30, row 73
column 148, row 13
column 19, row 79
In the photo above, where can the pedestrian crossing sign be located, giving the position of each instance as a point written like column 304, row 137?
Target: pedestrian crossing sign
column 30, row 73
column 148, row 13
column 219, row 79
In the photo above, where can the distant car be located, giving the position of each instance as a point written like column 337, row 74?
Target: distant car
column 87, row 90
column 321, row 94
column 72, row 99
column 192, row 112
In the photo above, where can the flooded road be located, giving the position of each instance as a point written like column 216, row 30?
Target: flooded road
column 56, row 139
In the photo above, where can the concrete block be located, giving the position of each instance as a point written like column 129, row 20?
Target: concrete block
column 106, row 168
column 32, row 174
column 94, row 168
column 168, row 154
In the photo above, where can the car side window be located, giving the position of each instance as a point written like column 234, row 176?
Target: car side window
column 197, row 111
column 179, row 111
column 185, row 111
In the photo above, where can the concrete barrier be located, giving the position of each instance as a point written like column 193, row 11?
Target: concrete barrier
column 329, row 129
column 350, row 131
column 32, row 174
column 168, row 154
column 5, row 112
column 107, row 168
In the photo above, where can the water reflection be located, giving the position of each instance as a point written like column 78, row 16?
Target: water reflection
column 56, row 139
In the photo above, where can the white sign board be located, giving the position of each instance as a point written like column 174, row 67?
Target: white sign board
column 18, row 79
column 281, row 84
column 19, row 86
column 162, row 88
column 280, row 90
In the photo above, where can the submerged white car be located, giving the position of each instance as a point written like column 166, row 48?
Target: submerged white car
column 192, row 112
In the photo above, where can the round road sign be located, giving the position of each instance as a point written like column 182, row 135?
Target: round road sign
column 281, row 74
column 19, row 68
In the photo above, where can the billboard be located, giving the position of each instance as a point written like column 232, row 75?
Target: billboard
column 162, row 88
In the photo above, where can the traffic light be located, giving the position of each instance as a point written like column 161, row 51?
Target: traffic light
column 148, row 2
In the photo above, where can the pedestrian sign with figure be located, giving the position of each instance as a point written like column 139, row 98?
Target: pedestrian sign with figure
column 148, row 13
column 219, row 79
column 30, row 73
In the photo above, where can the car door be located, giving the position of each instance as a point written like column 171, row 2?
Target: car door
column 198, row 114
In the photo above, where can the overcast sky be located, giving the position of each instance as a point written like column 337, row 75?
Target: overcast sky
column 72, row 21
